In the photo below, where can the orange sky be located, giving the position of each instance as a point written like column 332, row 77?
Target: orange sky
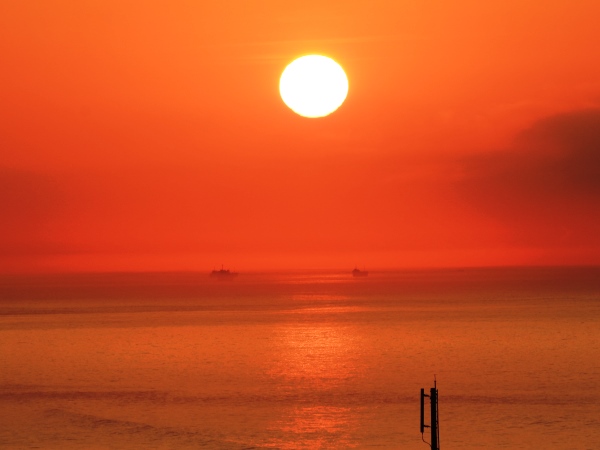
column 149, row 135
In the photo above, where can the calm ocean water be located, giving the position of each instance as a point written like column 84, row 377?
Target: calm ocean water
column 300, row 360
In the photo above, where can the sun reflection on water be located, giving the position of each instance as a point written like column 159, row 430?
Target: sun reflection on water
column 319, row 361
column 314, row 427
column 318, row 355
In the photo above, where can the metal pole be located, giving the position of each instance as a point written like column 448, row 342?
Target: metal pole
column 434, row 420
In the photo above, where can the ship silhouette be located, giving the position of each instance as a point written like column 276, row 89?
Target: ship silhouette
column 223, row 273
column 359, row 273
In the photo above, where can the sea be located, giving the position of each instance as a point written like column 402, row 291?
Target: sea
column 301, row 360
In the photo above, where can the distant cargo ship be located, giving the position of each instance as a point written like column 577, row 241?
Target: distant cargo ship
column 223, row 273
column 359, row 273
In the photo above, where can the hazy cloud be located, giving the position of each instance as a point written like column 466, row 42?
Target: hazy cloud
column 28, row 201
column 558, row 158
column 568, row 145
column 547, row 184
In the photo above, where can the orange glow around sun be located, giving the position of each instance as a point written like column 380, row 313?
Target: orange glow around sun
column 160, row 141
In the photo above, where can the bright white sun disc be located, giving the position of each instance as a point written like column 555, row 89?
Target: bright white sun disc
column 313, row 86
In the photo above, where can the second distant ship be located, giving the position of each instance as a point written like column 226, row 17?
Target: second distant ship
column 359, row 273
column 223, row 273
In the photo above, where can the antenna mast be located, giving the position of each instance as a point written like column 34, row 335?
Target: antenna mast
column 434, row 416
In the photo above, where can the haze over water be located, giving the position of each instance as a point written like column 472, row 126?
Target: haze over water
column 300, row 360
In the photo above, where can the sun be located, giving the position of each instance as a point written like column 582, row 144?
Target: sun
column 313, row 86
